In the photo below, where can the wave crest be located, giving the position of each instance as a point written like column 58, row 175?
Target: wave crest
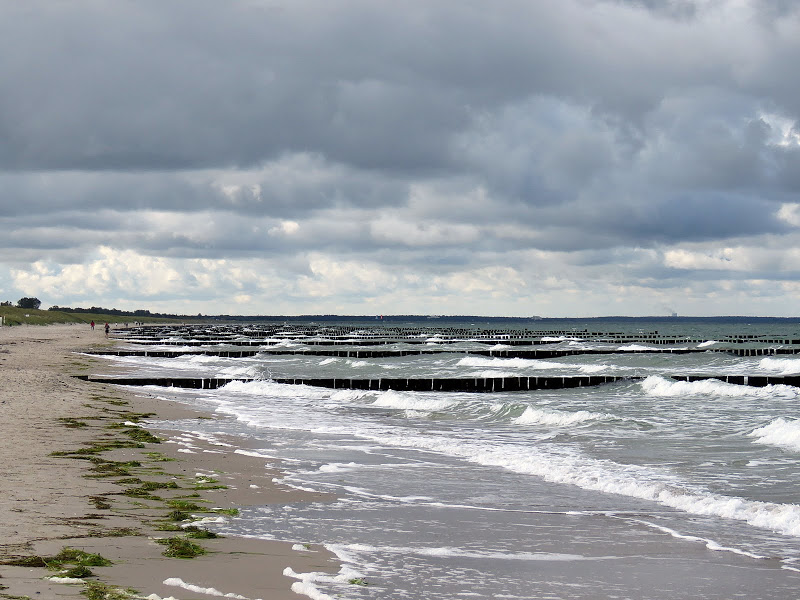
column 780, row 432
column 538, row 416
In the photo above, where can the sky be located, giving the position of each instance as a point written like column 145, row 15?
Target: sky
column 561, row 158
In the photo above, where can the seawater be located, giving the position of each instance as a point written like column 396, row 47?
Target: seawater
column 652, row 488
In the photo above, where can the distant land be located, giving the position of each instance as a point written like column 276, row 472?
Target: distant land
column 15, row 315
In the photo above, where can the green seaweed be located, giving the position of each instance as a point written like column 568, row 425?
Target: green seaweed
column 115, row 532
column 158, row 485
column 72, row 423
column 96, row 590
column 99, row 502
column 80, row 558
column 158, row 457
column 138, row 492
column 184, row 505
column 178, row 547
column 200, row 534
column 25, row 561
column 142, row 435
column 178, row 515
column 78, row 572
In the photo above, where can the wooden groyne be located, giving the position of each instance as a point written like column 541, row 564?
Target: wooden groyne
column 530, row 354
column 758, row 351
column 460, row 384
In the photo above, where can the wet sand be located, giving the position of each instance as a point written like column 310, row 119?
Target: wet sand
column 102, row 491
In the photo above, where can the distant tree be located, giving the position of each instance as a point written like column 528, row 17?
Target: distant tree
column 6, row 303
column 29, row 303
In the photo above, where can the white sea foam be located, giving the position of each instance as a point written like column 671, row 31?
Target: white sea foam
column 538, row 416
column 447, row 551
column 491, row 374
column 629, row 347
column 609, row 477
column 519, row 363
column 209, row 591
column 592, row 368
column 307, row 581
column 782, row 366
column 707, row 343
column 269, row 388
column 556, row 464
column 780, row 432
column 710, row 544
column 406, row 401
column 357, row 363
column 655, row 385
column 328, row 361
column 349, row 395
column 339, row 467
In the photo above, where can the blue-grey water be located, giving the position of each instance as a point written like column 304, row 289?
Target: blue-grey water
column 648, row 488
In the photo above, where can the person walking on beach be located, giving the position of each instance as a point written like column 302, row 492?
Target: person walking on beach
column 92, row 324
column 107, row 328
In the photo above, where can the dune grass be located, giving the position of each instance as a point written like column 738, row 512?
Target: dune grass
column 29, row 316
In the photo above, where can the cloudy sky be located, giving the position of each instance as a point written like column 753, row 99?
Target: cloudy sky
column 514, row 157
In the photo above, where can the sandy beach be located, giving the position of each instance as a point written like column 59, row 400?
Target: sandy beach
column 79, row 471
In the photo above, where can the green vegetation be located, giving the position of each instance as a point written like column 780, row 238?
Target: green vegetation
column 200, row 534
column 78, row 572
column 99, row 503
column 79, row 560
column 181, row 548
column 96, row 590
column 358, row 581
column 115, row 532
column 142, row 435
column 231, row 512
column 72, row 423
column 13, row 315
column 158, row 457
column 178, row 515
column 185, row 506
column 158, row 485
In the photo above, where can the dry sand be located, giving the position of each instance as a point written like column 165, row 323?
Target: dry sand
column 77, row 500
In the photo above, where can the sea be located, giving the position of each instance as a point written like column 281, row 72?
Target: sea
column 645, row 487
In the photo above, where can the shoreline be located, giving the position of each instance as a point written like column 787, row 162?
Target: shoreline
column 112, row 489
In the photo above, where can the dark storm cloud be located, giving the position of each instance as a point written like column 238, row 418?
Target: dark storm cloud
column 426, row 137
column 200, row 84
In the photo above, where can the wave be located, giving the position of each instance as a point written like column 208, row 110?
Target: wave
column 631, row 347
column 707, row 343
column 357, row 363
column 592, row 368
column 449, row 551
column 780, row 432
column 628, row 480
column 538, row 416
column 783, row 366
column 564, row 465
column 403, row 401
column 505, row 363
column 490, row 374
column 655, row 385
